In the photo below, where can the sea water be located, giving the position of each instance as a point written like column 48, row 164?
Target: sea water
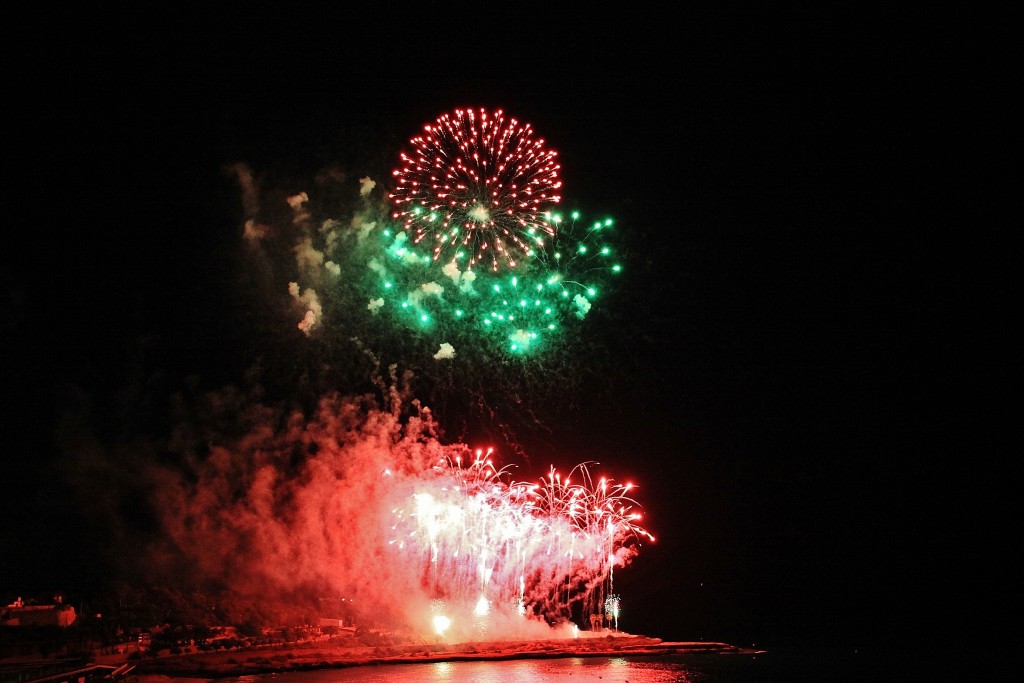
column 693, row 668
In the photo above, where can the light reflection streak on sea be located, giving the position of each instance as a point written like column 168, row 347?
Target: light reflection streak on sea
column 704, row 669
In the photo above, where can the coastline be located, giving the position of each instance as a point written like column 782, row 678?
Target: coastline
column 206, row 666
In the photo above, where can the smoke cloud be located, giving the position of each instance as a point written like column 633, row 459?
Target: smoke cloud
column 359, row 503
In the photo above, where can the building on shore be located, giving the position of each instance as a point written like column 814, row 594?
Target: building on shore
column 20, row 614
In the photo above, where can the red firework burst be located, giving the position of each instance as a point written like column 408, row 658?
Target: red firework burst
column 476, row 186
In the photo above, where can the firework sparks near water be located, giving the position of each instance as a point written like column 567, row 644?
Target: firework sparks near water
column 547, row 549
column 418, row 535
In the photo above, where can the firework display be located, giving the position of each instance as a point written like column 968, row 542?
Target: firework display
column 408, row 289
column 516, row 312
column 467, row 276
column 476, row 199
column 414, row 534
column 475, row 190
column 497, row 349
column 546, row 549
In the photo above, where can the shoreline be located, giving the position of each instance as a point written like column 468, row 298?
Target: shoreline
column 206, row 666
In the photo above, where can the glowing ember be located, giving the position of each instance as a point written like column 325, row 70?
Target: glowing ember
column 611, row 608
column 441, row 624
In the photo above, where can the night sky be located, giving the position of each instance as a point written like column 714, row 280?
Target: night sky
column 806, row 385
